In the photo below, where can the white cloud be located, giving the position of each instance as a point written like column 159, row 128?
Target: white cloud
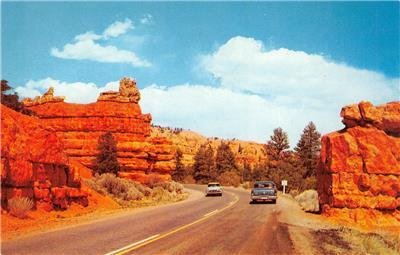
column 89, row 50
column 146, row 19
column 75, row 92
column 118, row 28
column 85, row 47
column 230, row 114
column 294, row 77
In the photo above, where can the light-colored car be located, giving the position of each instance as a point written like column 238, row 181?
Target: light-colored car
column 214, row 189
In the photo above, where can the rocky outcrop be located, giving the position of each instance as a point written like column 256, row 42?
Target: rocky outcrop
column 47, row 97
column 128, row 92
column 34, row 165
column 359, row 169
column 79, row 127
column 189, row 142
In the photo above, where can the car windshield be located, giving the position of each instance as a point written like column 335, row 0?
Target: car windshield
column 213, row 185
column 267, row 185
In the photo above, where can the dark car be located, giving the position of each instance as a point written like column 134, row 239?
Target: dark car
column 264, row 191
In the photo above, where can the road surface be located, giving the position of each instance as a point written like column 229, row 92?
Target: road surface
column 207, row 225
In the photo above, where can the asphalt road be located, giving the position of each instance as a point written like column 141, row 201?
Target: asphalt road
column 207, row 225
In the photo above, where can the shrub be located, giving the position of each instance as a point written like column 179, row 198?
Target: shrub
column 125, row 191
column 119, row 188
column 308, row 200
column 309, row 183
column 20, row 206
column 229, row 178
column 189, row 180
column 170, row 186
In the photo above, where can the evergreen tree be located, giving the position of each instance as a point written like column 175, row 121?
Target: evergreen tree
column 278, row 141
column 106, row 160
column 204, row 164
column 225, row 159
column 9, row 99
column 308, row 149
column 179, row 173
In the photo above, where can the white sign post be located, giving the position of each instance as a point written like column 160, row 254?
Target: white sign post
column 284, row 184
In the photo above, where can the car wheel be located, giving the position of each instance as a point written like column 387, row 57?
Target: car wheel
column 274, row 201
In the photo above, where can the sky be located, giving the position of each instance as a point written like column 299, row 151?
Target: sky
column 226, row 69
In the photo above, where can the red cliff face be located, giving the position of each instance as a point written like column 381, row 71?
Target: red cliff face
column 34, row 165
column 359, row 170
column 80, row 125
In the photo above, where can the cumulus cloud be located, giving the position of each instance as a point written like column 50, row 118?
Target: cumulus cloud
column 85, row 47
column 75, row 92
column 294, row 77
column 118, row 28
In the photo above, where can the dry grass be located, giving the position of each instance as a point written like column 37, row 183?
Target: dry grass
column 372, row 243
column 350, row 241
column 20, row 206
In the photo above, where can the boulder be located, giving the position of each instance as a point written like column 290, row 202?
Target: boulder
column 358, row 174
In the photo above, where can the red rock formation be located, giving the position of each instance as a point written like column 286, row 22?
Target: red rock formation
column 80, row 125
column 189, row 142
column 34, row 165
column 359, row 170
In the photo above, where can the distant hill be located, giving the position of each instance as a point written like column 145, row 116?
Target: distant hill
column 189, row 142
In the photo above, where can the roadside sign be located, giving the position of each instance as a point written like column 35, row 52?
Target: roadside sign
column 284, row 184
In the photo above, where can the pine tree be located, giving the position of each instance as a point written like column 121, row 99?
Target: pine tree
column 308, row 149
column 106, row 160
column 179, row 173
column 225, row 159
column 278, row 141
column 204, row 164
column 9, row 99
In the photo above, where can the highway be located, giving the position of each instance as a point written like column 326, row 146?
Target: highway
column 204, row 225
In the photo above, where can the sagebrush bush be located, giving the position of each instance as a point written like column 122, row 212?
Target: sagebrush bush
column 119, row 188
column 20, row 206
column 125, row 191
column 308, row 200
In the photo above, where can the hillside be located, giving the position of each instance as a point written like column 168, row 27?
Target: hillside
column 189, row 142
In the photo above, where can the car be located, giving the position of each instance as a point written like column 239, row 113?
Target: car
column 213, row 189
column 264, row 191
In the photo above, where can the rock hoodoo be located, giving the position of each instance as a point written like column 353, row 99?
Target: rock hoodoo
column 359, row 169
column 79, row 126
column 34, row 165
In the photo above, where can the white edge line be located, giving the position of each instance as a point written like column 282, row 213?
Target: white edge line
column 207, row 214
column 131, row 245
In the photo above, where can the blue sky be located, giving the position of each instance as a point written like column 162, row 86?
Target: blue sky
column 223, row 69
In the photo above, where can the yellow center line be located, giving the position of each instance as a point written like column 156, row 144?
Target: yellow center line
column 154, row 238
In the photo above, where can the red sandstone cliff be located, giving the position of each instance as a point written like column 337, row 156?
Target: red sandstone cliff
column 34, row 165
column 79, row 126
column 359, row 171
